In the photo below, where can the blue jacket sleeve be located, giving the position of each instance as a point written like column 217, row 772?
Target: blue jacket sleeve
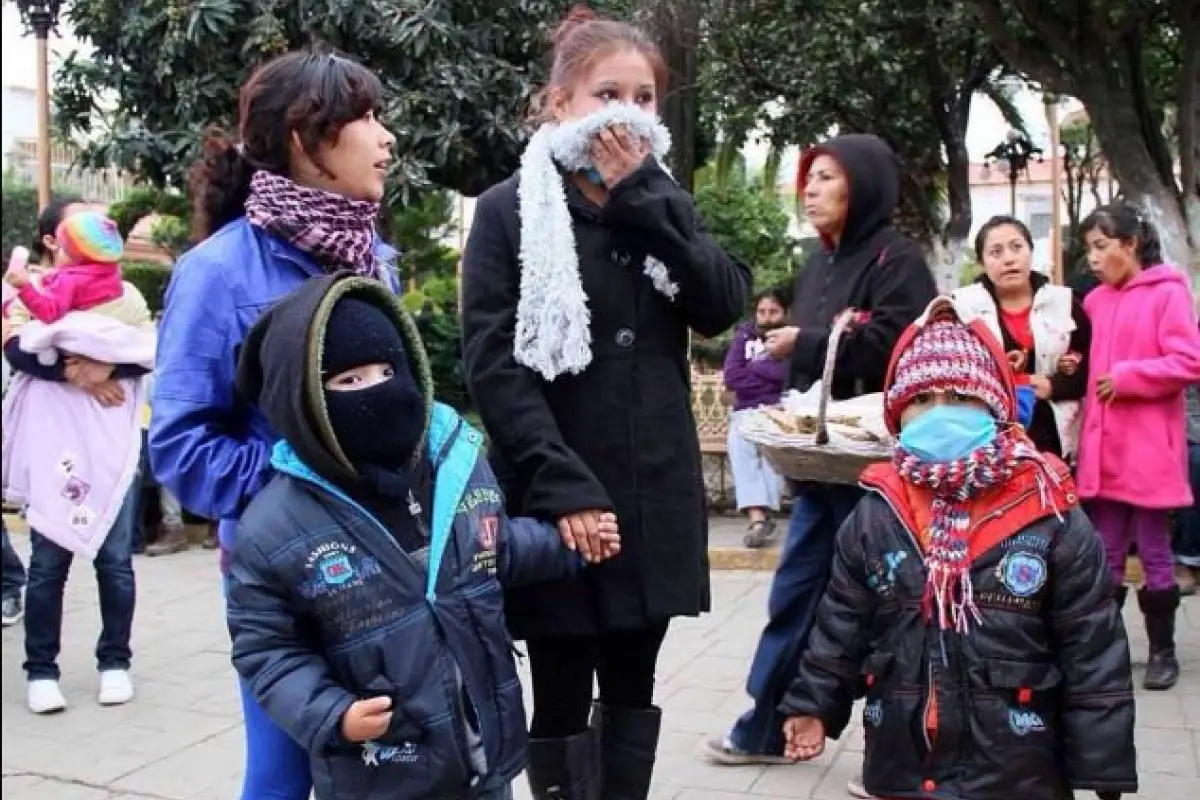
column 199, row 449
column 290, row 679
column 531, row 551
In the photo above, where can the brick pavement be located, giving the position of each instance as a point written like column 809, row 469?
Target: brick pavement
column 180, row 738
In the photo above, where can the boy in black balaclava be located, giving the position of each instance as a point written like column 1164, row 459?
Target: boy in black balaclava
column 382, row 660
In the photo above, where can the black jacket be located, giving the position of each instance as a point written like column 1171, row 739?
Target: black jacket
column 1043, row 429
column 874, row 268
column 621, row 434
column 1034, row 702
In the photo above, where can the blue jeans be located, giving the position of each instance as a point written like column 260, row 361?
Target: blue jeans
column 277, row 767
column 49, row 565
column 14, row 570
column 818, row 511
column 1187, row 525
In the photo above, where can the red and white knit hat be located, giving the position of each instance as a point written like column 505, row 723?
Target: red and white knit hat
column 948, row 355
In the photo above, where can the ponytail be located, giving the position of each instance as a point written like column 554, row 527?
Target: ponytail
column 219, row 183
column 1149, row 246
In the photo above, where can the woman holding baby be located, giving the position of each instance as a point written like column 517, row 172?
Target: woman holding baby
column 581, row 278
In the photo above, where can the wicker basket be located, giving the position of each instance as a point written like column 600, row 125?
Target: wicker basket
column 813, row 457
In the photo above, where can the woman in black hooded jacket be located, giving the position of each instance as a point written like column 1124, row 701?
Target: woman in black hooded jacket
column 850, row 187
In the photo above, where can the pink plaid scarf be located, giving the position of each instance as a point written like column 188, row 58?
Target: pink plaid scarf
column 339, row 233
column 948, row 591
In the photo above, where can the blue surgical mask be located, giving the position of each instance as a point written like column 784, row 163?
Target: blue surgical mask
column 593, row 175
column 948, row 432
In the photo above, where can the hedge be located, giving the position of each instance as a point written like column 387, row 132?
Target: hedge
column 150, row 278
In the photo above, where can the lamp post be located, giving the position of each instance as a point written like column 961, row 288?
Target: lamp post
column 41, row 17
column 1015, row 153
column 1056, row 167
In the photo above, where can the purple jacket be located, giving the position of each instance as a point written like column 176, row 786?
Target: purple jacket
column 755, row 378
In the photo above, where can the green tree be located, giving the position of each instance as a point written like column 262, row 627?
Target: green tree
column 1135, row 65
column 458, row 73
column 905, row 70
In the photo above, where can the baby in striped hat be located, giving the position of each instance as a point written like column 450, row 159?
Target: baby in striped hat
column 88, row 273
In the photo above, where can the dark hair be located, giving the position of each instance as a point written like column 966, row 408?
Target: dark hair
column 311, row 94
column 777, row 293
column 1000, row 221
column 583, row 38
column 48, row 222
column 1124, row 222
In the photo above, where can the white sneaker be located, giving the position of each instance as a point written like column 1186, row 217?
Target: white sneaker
column 44, row 696
column 116, row 687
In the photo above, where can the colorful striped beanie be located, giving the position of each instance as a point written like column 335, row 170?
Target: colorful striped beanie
column 947, row 355
column 90, row 237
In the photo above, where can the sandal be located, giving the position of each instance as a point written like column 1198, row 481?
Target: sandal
column 759, row 533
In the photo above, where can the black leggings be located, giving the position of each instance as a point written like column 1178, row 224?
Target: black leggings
column 563, row 667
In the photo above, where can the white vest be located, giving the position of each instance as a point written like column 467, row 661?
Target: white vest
column 1052, row 324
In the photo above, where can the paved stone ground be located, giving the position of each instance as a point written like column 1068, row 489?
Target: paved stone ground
column 180, row 738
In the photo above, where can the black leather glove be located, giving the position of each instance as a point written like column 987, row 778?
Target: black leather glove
column 1109, row 795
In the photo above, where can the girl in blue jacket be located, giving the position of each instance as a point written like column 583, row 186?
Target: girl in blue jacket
column 364, row 586
column 295, row 195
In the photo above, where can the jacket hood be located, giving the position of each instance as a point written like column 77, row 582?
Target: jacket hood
column 279, row 370
column 940, row 308
column 873, row 172
column 1155, row 276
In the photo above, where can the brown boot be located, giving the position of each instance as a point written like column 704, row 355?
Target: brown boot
column 171, row 540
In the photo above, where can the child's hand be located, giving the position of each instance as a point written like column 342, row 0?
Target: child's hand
column 367, row 719
column 1017, row 359
column 608, row 532
column 1106, row 388
column 17, row 274
column 805, row 738
column 1069, row 363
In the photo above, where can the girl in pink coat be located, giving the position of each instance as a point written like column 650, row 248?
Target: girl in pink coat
column 1133, row 453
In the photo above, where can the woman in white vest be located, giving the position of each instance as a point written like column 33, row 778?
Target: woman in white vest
column 1042, row 326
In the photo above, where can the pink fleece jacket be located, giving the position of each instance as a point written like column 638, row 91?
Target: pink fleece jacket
column 1145, row 335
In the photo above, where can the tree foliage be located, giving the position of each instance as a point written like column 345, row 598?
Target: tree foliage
column 458, row 73
column 1135, row 65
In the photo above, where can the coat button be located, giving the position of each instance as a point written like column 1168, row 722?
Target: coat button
column 928, row 786
column 625, row 337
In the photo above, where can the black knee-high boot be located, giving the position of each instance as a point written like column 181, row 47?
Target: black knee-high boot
column 1159, row 607
column 565, row 769
column 629, row 742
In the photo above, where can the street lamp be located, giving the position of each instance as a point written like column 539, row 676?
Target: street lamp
column 41, row 17
column 1014, row 153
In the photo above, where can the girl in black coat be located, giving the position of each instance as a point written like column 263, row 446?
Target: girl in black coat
column 581, row 278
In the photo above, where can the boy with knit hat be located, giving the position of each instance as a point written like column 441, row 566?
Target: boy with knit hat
column 89, row 276
column 971, row 593
column 364, row 582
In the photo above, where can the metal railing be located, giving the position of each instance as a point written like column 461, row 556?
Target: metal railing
column 99, row 186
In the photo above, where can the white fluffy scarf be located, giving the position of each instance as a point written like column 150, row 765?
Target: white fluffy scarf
column 553, row 333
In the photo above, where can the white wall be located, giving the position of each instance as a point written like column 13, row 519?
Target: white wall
column 19, row 117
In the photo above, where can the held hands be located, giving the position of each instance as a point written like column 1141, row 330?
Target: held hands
column 1106, row 388
column 805, row 738
column 593, row 534
column 367, row 719
column 1041, row 386
column 782, row 341
column 616, row 154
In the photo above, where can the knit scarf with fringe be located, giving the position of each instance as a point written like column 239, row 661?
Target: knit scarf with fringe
column 948, row 592
column 553, row 333
column 339, row 233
